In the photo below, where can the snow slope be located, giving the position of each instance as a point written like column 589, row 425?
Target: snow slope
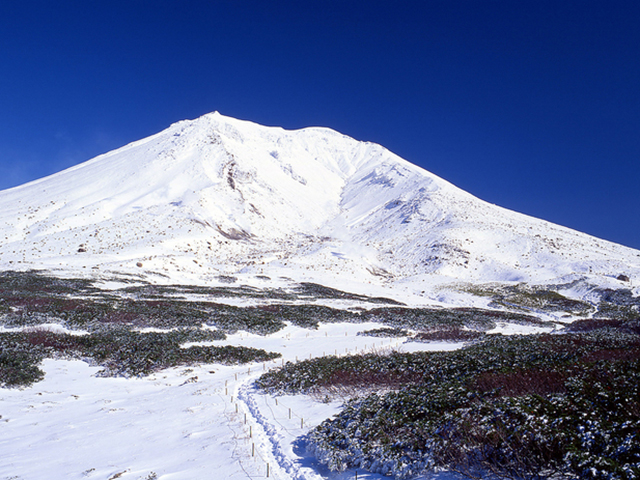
column 218, row 196
column 198, row 423
column 218, row 200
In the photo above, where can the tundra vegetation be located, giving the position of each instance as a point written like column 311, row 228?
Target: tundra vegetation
column 562, row 404
column 116, row 323
column 521, row 407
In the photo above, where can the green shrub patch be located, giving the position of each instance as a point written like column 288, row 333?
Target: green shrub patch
column 119, row 350
column 447, row 335
column 385, row 332
column 519, row 407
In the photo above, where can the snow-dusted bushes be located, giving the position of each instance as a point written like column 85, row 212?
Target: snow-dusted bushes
column 32, row 298
column 522, row 407
column 120, row 350
column 124, row 352
column 18, row 363
column 589, row 430
column 526, row 298
column 371, row 369
column 447, row 335
column 385, row 332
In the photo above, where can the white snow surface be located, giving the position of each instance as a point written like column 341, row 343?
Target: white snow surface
column 219, row 196
column 179, row 424
column 218, row 200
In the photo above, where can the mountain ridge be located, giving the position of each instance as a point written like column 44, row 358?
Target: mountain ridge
column 218, row 196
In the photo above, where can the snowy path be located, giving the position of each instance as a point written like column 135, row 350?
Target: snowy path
column 179, row 424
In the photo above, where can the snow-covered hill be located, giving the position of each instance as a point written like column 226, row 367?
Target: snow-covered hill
column 221, row 201
column 217, row 199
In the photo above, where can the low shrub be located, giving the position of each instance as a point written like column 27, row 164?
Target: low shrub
column 119, row 350
column 350, row 371
column 591, row 324
column 521, row 382
column 447, row 335
column 19, row 368
column 385, row 332
column 525, row 407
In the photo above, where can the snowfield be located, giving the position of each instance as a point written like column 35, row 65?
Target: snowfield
column 181, row 423
column 257, row 215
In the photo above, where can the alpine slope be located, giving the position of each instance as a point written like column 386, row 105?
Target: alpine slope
column 216, row 198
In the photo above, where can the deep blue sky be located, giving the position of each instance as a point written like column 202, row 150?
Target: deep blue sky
column 532, row 105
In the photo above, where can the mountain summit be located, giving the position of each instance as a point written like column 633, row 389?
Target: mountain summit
column 218, row 199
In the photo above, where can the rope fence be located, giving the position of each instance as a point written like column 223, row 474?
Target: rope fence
column 285, row 416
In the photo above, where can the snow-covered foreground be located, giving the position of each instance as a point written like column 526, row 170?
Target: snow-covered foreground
column 204, row 422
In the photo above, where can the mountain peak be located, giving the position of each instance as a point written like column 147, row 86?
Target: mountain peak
column 220, row 196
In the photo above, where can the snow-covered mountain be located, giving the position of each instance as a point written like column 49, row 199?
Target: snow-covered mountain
column 214, row 198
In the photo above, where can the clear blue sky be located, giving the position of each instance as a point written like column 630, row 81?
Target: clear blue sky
column 532, row 105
